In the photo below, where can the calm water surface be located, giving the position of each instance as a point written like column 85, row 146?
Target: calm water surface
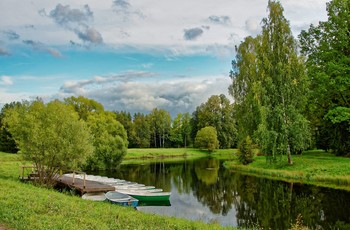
column 204, row 190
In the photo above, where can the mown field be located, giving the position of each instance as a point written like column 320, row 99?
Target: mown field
column 314, row 167
column 24, row 206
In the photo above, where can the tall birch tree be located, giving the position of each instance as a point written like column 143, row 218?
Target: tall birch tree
column 269, row 80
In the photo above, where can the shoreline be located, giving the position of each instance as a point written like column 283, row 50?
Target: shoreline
column 313, row 167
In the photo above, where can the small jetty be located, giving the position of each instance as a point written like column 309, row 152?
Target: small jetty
column 76, row 180
column 84, row 185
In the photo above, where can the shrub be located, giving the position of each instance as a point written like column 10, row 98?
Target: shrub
column 207, row 138
column 245, row 151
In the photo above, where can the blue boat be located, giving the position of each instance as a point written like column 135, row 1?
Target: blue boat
column 122, row 199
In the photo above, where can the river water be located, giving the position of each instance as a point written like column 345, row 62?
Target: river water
column 204, row 190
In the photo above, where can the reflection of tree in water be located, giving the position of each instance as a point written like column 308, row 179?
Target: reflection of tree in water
column 275, row 205
column 212, row 186
column 182, row 176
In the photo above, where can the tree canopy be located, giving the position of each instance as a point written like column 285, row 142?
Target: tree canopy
column 327, row 49
column 218, row 112
column 49, row 135
column 109, row 140
column 269, row 81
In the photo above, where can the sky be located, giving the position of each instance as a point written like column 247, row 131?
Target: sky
column 130, row 55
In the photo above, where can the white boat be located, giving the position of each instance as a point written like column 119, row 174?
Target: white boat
column 95, row 196
column 121, row 199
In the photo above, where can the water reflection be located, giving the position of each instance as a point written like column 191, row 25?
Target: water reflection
column 204, row 190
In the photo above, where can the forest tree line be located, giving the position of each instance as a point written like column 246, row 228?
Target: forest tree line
column 156, row 129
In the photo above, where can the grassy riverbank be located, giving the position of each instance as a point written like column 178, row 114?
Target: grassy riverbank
column 313, row 167
column 174, row 154
column 24, row 206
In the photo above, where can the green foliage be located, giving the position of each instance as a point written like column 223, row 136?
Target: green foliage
column 49, row 135
column 181, row 130
column 7, row 143
column 109, row 140
column 126, row 120
column 142, row 131
column 84, row 106
column 270, row 88
column 245, row 151
column 327, row 49
column 245, row 86
column 206, row 138
column 217, row 112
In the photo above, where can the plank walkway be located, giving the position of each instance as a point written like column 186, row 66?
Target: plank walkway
column 90, row 186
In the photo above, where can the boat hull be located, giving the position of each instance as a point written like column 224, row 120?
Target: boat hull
column 147, row 196
column 100, row 196
column 121, row 199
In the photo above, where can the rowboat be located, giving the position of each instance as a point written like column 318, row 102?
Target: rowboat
column 144, row 195
column 95, row 196
column 121, row 199
column 134, row 187
column 139, row 189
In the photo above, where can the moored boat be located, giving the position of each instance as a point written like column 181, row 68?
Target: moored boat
column 144, row 195
column 121, row 199
column 95, row 196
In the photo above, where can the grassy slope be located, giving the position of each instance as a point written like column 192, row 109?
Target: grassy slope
column 315, row 167
column 24, row 206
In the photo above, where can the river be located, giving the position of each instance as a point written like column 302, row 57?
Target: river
column 204, row 190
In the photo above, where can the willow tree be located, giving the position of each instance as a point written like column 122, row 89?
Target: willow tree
column 327, row 48
column 269, row 80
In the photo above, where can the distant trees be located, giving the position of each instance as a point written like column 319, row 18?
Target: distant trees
column 206, row 138
column 269, row 81
column 160, row 125
column 327, row 49
column 181, row 130
column 217, row 112
column 142, row 131
column 49, row 135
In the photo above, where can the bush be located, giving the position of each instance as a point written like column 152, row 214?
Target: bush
column 207, row 138
column 245, row 151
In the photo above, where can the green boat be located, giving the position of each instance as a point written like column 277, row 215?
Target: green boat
column 144, row 195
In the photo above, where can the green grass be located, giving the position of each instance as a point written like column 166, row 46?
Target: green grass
column 139, row 156
column 24, row 206
column 313, row 167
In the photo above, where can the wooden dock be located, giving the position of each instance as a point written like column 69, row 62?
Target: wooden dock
column 84, row 186
column 28, row 173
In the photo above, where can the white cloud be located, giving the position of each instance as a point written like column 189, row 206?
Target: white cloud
column 147, row 22
column 6, row 80
column 182, row 95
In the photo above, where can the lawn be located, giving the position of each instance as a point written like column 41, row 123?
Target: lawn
column 315, row 167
